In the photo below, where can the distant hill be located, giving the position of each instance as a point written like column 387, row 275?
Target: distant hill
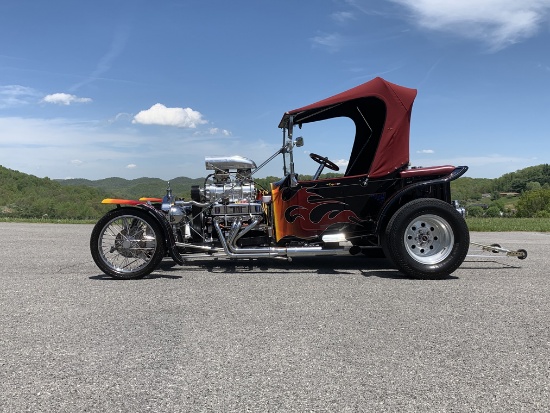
column 528, row 178
column 137, row 188
column 26, row 196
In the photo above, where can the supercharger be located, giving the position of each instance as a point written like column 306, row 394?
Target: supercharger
column 231, row 180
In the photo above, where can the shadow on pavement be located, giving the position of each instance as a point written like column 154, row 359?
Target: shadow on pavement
column 336, row 266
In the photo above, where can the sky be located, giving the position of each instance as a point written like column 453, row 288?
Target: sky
column 134, row 88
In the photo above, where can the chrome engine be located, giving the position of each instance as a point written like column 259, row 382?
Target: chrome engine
column 231, row 180
column 228, row 203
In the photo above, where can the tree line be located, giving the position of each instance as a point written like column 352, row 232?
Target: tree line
column 26, row 196
column 524, row 193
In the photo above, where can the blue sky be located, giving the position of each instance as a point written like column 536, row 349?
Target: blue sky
column 140, row 88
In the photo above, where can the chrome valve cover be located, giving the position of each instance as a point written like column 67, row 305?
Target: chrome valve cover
column 237, row 209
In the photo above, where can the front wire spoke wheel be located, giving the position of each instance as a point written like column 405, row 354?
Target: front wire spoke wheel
column 124, row 246
column 127, row 244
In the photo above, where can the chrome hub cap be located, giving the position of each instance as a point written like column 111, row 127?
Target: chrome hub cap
column 429, row 239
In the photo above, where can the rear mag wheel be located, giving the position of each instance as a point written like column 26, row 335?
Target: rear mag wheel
column 127, row 243
column 427, row 238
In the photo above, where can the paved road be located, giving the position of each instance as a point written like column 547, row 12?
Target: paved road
column 338, row 335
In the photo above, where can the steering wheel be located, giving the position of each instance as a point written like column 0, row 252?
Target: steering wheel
column 324, row 161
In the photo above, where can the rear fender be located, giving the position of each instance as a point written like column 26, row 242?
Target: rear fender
column 391, row 204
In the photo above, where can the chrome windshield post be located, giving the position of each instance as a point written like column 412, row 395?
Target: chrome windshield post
column 289, row 144
column 283, row 151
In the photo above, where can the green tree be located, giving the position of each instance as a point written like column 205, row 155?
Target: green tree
column 532, row 186
column 533, row 203
column 475, row 211
column 493, row 211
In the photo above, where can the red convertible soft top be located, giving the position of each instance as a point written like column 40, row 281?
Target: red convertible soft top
column 381, row 112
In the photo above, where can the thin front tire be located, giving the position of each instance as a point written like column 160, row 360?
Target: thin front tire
column 127, row 243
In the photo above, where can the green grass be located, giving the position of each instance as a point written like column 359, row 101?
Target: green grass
column 508, row 224
column 49, row 221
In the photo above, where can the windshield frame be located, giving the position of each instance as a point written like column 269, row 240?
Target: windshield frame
column 287, row 148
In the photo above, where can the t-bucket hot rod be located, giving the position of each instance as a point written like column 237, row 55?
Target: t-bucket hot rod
column 380, row 202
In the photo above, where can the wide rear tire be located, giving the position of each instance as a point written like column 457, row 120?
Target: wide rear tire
column 427, row 238
column 127, row 243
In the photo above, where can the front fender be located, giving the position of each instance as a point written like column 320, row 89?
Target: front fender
column 166, row 229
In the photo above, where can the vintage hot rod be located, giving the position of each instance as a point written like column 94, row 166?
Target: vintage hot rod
column 379, row 203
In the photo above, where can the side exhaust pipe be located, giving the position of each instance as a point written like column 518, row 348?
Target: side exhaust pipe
column 233, row 251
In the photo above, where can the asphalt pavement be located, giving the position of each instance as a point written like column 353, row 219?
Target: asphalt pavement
column 346, row 334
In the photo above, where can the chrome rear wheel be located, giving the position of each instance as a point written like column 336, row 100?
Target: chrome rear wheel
column 426, row 238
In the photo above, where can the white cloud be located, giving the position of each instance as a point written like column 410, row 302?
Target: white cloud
column 116, row 47
column 159, row 114
column 16, row 95
column 217, row 131
column 76, row 162
column 131, row 166
column 426, row 151
column 64, row 99
column 343, row 16
column 342, row 163
column 498, row 23
column 331, row 41
column 120, row 116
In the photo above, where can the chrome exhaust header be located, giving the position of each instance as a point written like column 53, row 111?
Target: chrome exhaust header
column 233, row 251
